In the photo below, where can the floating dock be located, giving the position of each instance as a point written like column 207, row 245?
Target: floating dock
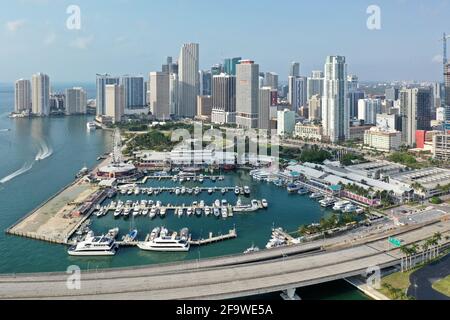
column 232, row 234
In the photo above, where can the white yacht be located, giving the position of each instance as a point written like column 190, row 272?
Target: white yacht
column 94, row 246
column 264, row 203
column 340, row 205
column 91, row 126
column 162, row 240
column 207, row 211
column 350, row 208
column 327, row 202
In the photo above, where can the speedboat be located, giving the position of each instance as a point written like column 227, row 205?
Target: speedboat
column 236, row 190
column 113, row 233
column 217, row 203
column 131, row 236
column 316, row 195
column 210, row 191
column 216, row 212
column 94, row 246
column 251, row 249
column 162, row 212
column 177, row 191
column 224, row 212
column 207, row 211
column 189, row 211
column 247, row 190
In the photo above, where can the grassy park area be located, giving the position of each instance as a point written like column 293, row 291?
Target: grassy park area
column 443, row 286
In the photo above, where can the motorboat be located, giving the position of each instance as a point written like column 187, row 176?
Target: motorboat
column 340, row 205
column 210, row 191
column 198, row 212
column 189, row 211
column 207, row 211
column 293, row 187
column 302, row 191
column 236, row 191
column 264, row 203
column 251, row 249
column 162, row 212
column 113, row 233
column 316, row 195
column 224, row 211
column 94, row 246
column 327, row 202
column 224, row 190
column 152, row 213
column 217, row 203
column 216, row 212
column 118, row 212
column 197, row 190
column 247, row 190
column 131, row 236
column 350, row 208
column 177, row 191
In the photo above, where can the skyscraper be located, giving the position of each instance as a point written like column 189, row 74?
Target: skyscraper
column 40, row 94
column 368, row 110
column 247, row 94
column 447, row 91
column 160, row 95
column 415, row 112
column 134, row 87
column 298, row 87
column 294, row 70
column 224, row 99
column 392, row 93
column 353, row 98
column 229, row 65
column 315, row 84
column 271, row 80
column 173, row 94
column 353, row 83
column 335, row 108
column 114, row 102
column 265, row 102
column 22, row 96
column 102, row 81
column 76, row 101
column 315, row 108
column 188, row 80
column 205, row 82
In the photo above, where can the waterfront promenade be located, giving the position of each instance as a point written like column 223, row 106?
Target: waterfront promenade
column 226, row 277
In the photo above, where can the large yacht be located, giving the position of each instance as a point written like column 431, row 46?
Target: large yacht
column 160, row 239
column 94, row 246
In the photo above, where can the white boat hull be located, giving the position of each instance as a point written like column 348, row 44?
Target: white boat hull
column 147, row 247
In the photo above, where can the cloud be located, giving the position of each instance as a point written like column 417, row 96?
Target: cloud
column 82, row 42
column 437, row 58
column 50, row 39
column 15, row 25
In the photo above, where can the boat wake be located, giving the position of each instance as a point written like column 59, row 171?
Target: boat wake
column 5, row 130
column 44, row 151
column 25, row 168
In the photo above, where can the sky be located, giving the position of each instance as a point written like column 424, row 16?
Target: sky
column 135, row 36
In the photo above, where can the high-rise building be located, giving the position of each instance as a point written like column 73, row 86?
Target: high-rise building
column 447, row 91
column 392, row 94
column 353, row 82
column 57, row 103
column 335, row 107
column 368, row 110
column 205, row 82
column 160, row 95
column 229, row 65
column 40, row 94
column 76, row 101
column 102, row 81
column 265, row 102
column 204, row 107
column 216, row 69
column 22, row 96
column 389, row 122
column 353, row 98
column 315, row 108
column 134, row 87
column 415, row 112
column 224, row 99
column 271, row 80
column 114, row 102
column 294, row 70
column 315, row 84
column 285, row 122
column 247, row 94
column 298, row 87
column 173, row 94
column 188, row 80
column 170, row 67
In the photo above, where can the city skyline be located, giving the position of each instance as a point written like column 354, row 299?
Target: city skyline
column 77, row 55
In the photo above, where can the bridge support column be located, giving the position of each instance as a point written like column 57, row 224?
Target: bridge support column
column 290, row 294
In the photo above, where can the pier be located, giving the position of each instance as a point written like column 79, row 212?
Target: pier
column 232, row 234
column 154, row 191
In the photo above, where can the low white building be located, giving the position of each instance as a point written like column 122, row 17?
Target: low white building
column 382, row 139
column 308, row 132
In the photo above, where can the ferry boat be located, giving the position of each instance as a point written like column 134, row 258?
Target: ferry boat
column 91, row 126
column 340, row 205
column 160, row 239
column 94, row 246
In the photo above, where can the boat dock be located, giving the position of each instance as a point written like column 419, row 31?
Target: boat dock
column 232, row 234
column 135, row 191
column 181, row 178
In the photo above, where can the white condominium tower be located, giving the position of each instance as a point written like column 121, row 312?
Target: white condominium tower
column 22, row 96
column 115, row 102
column 40, row 94
column 335, row 106
column 160, row 95
column 188, row 80
column 102, row 81
column 247, row 94
column 76, row 101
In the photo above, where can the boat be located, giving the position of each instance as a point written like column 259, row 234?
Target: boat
column 145, row 212
column 174, row 178
column 126, row 212
column 292, row 187
column 162, row 212
column 316, row 195
column 130, row 192
column 202, row 204
column 224, row 190
column 160, row 239
column 207, row 211
column 177, row 191
column 94, row 246
column 327, row 202
column 189, row 211
column 197, row 190
column 180, row 212
column 118, row 212
column 152, row 213
column 123, row 191
column 224, row 211
column 217, row 203
column 224, row 203
column 150, row 191
column 210, row 191
column 131, row 236
column 264, row 203
column 251, row 249
column 198, row 212
column 350, row 208
column 247, row 190
column 359, row 211
column 340, row 205
column 216, row 212
column 236, row 190
column 84, row 171
column 200, row 179
column 183, row 190
column 91, row 126
column 137, row 191
column 113, row 233
column 302, row 191
column 156, row 192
